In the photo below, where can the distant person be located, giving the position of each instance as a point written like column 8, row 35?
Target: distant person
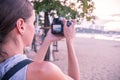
column 16, row 32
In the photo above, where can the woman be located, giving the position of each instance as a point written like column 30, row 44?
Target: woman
column 16, row 32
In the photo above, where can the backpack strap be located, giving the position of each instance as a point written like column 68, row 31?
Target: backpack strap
column 16, row 68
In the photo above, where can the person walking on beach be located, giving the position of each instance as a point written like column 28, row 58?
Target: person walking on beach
column 16, row 32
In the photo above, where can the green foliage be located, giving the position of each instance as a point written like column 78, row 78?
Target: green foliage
column 48, row 5
column 62, row 8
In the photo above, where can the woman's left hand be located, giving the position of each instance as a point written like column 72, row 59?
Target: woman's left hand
column 69, row 32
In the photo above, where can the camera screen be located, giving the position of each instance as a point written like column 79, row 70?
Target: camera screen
column 57, row 28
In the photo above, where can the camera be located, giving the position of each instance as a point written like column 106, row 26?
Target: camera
column 57, row 26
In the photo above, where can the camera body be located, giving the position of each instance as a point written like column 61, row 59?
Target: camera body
column 57, row 26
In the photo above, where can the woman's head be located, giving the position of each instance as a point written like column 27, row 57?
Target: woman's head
column 10, row 12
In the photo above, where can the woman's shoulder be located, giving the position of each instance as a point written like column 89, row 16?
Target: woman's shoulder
column 44, row 71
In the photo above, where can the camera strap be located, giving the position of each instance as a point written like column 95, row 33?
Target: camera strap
column 16, row 68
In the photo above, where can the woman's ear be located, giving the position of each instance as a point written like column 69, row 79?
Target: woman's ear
column 20, row 25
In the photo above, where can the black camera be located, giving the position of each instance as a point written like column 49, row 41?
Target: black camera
column 57, row 26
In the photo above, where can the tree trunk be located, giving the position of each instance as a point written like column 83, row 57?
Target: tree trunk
column 47, row 24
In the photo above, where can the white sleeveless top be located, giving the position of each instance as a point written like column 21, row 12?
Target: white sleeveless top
column 9, row 63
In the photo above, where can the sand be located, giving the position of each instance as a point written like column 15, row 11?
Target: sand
column 98, row 59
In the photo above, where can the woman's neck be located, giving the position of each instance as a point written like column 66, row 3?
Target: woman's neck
column 13, row 47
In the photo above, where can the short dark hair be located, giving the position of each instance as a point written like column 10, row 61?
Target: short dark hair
column 10, row 12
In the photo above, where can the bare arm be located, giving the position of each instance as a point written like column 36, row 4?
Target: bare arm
column 73, row 67
column 42, row 51
column 46, row 43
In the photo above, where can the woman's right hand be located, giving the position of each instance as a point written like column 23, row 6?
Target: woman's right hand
column 52, row 38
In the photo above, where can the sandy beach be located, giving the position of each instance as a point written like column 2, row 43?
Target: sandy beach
column 98, row 59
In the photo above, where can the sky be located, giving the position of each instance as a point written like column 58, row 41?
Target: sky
column 104, row 11
column 106, row 7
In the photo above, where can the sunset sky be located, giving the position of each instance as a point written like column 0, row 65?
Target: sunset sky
column 104, row 11
column 106, row 7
